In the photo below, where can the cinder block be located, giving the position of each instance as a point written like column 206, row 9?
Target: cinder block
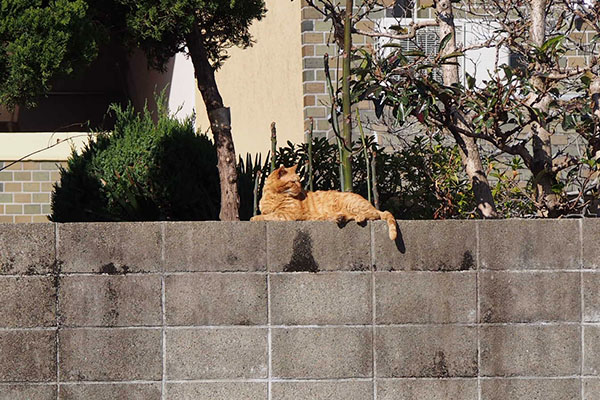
column 322, row 353
column 110, row 391
column 40, row 219
column 110, row 354
column 26, row 249
column 22, row 198
column 427, row 389
column 109, row 247
column 324, row 298
column 529, row 296
column 28, row 356
column 591, row 299
column 216, row 299
column 127, row 300
column 425, row 297
column 426, row 351
column 591, row 238
column 49, row 165
column 41, row 197
column 316, row 37
column 31, row 187
column 525, row 350
column 345, row 390
column 22, row 176
column 318, row 246
column 27, row 302
column 591, row 348
column 307, row 26
column 427, row 246
column 591, row 389
column 40, row 176
column 530, row 389
column 529, row 244
column 14, row 209
column 6, row 176
column 12, row 187
column 217, row 391
column 32, row 208
column 30, row 165
column 226, row 353
column 311, row 13
column 215, row 246
column 28, row 392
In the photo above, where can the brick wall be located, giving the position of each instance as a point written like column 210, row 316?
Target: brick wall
column 25, row 189
column 317, row 40
column 464, row 310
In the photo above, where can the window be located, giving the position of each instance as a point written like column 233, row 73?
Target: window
column 403, row 9
column 478, row 63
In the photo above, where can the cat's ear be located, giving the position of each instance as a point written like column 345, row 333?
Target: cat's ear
column 293, row 168
column 281, row 171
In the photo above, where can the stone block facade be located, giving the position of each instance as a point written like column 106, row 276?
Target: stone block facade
column 300, row 310
column 26, row 189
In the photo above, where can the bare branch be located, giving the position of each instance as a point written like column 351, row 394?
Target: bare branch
column 412, row 31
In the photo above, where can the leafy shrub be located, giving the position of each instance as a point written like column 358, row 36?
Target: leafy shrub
column 144, row 170
column 162, row 170
column 424, row 180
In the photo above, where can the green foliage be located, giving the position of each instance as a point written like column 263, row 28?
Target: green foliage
column 144, row 170
column 512, row 193
column 500, row 112
column 160, row 27
column 422, row 181
column 38, row 44
column 248, row 172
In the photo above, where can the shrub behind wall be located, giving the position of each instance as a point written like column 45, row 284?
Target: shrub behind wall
column 146, row 169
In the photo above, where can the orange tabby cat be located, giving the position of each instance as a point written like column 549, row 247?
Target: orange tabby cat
column 284, row 200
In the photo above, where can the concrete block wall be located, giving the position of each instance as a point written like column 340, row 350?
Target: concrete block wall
column 469, row 310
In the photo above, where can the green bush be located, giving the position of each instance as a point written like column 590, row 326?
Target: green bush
column 160, row 169
column 424, row 180
column 145, row 170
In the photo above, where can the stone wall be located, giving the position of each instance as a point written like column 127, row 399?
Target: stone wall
column 493, row 310
column 25, row 190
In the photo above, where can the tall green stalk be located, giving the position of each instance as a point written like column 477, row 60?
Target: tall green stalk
column 366, row 153
column 309, row 140
column 334, row 120
column 346, row 105
column 255, row 192
column 374, row 175
column 273, row 145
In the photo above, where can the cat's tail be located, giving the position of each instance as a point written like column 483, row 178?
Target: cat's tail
column 391, row 221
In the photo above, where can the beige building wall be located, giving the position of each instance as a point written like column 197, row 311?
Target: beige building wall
column 263, row 83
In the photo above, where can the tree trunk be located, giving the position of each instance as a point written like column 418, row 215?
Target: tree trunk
column 542, row 150
column 346, row 105
column 595, row 95
column 469, row 151
column 220, row 124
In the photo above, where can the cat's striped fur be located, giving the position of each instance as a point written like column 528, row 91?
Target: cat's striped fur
column 284, row 200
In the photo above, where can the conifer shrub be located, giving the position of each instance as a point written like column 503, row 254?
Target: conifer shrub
column 149, row 168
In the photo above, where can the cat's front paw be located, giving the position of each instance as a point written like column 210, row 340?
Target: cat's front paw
column 257, row 218
column 341, row 221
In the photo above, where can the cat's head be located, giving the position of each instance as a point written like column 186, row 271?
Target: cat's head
column 285, row 180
